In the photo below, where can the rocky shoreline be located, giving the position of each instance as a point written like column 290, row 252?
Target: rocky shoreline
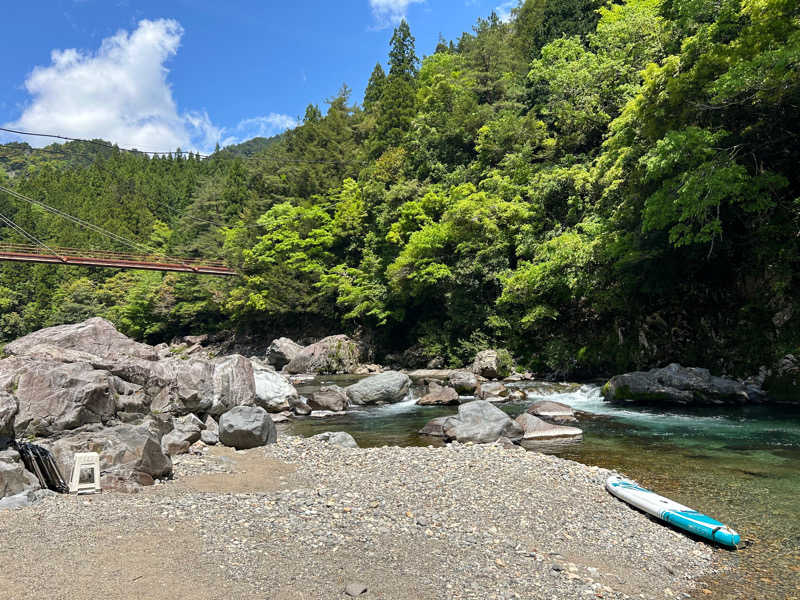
column 303, row 518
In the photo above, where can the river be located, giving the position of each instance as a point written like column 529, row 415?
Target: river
column 740, row 465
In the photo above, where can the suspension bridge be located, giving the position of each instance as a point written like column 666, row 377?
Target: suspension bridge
column 145, row 258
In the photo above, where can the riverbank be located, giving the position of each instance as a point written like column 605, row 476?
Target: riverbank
column 302, row 519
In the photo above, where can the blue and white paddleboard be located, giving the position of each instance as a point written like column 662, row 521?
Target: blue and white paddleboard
column 670, row 511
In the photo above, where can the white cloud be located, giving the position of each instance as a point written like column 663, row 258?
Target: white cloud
column 504, row 10
column 390, row 12
column 265, row 126
column 121, row 93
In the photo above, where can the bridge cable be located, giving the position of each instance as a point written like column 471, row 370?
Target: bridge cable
column 30, row 236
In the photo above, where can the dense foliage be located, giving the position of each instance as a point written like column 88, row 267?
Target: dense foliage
column 594, row 187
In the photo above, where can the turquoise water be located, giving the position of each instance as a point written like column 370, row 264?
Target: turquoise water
column 740, row 465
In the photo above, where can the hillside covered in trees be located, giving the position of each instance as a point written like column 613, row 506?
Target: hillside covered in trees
column 594, row 186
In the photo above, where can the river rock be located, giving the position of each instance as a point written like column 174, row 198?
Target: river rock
column 130, row 455
column 94, row 337
column 480, row 422
column 553, row 412
column 281, row 352
column 464, row 382
column 300, row 406
column 337, row 438
column 8, row 410
column 54, row 397
column 186, row 431
column 14, row 479
column 391, row 386
column 434, row 427
column 491, row 389
column 492, row 364
column 534, row 428
column 675, row 384
column 273, row 391
column 331, row 355
column 438, row 394
column 329, row 397
column 246, row 427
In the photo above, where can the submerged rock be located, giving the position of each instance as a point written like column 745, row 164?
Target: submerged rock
column 331, row 355
column 675, row 384
column 480, row 422
column 535, row 428
column 390, row 386
column 245, row 427
column 554, row 412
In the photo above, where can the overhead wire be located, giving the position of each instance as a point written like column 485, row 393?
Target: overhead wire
column 30, row 236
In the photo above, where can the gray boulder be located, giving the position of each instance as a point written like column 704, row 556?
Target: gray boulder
column 337, row 438
column 464, row 382
column 330, row 355
column 186, row 431
column 54, row 397
column 480, row 422
column 329, row 397
column 675, row 384
column 210, row 435
column 14, row 479
column 246, row 427
column 438, row 394
column 434, row 427
column 491, row 389
column 391, row 386
column 492, row 364
column 281, row 352
column 94, row 337
column 274, row 393
column 8, row 410
column 300, row 406
column 130, row 455
column 536, row 429
column 553, row 412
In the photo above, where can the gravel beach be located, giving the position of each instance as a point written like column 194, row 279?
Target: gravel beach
column 305, row 519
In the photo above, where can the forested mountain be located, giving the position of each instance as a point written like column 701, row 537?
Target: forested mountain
column 593, row 186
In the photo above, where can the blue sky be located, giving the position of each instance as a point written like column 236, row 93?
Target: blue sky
column 162, row 74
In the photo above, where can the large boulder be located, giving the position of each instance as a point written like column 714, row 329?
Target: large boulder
column 14, row 479
column 274, row 393
column 553, row 412
column 387, row 387
column 536, row 429
column 130, row 455
column 186, row 431
column 330, row 355
column 492, row 364
column 337, row 438
column 94, row 337
column 464, row 382
column 675, row 384
column 438, row 394
column 329, row 397
column 55, row 397
column 246, row 427
column 281, row 352
column 480, row 422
